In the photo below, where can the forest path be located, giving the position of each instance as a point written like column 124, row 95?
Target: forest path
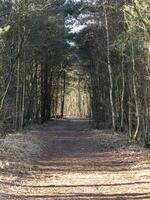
column 75, row 163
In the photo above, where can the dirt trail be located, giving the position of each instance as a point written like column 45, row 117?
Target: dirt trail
column 73, row 163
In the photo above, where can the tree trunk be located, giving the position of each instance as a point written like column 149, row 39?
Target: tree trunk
column 23, row 97
column 123, row 91
column 43, row 117
column 129, row 120
column 18, row 83
column 135, row 136
column 63, row 94
column 109, row 67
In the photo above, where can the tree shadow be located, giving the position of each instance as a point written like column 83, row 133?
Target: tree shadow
column 75, row 186
column 67, row 152
column 80, row 196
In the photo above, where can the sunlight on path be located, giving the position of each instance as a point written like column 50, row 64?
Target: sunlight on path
column 76, row 164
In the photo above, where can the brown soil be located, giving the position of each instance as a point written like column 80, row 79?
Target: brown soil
column 64, row 160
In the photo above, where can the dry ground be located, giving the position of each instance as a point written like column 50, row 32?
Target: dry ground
column 63, row 160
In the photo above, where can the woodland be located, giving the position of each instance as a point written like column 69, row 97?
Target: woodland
column 93, row 53
column 74, row 99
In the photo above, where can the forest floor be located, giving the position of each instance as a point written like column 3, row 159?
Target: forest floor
column 65, row 160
